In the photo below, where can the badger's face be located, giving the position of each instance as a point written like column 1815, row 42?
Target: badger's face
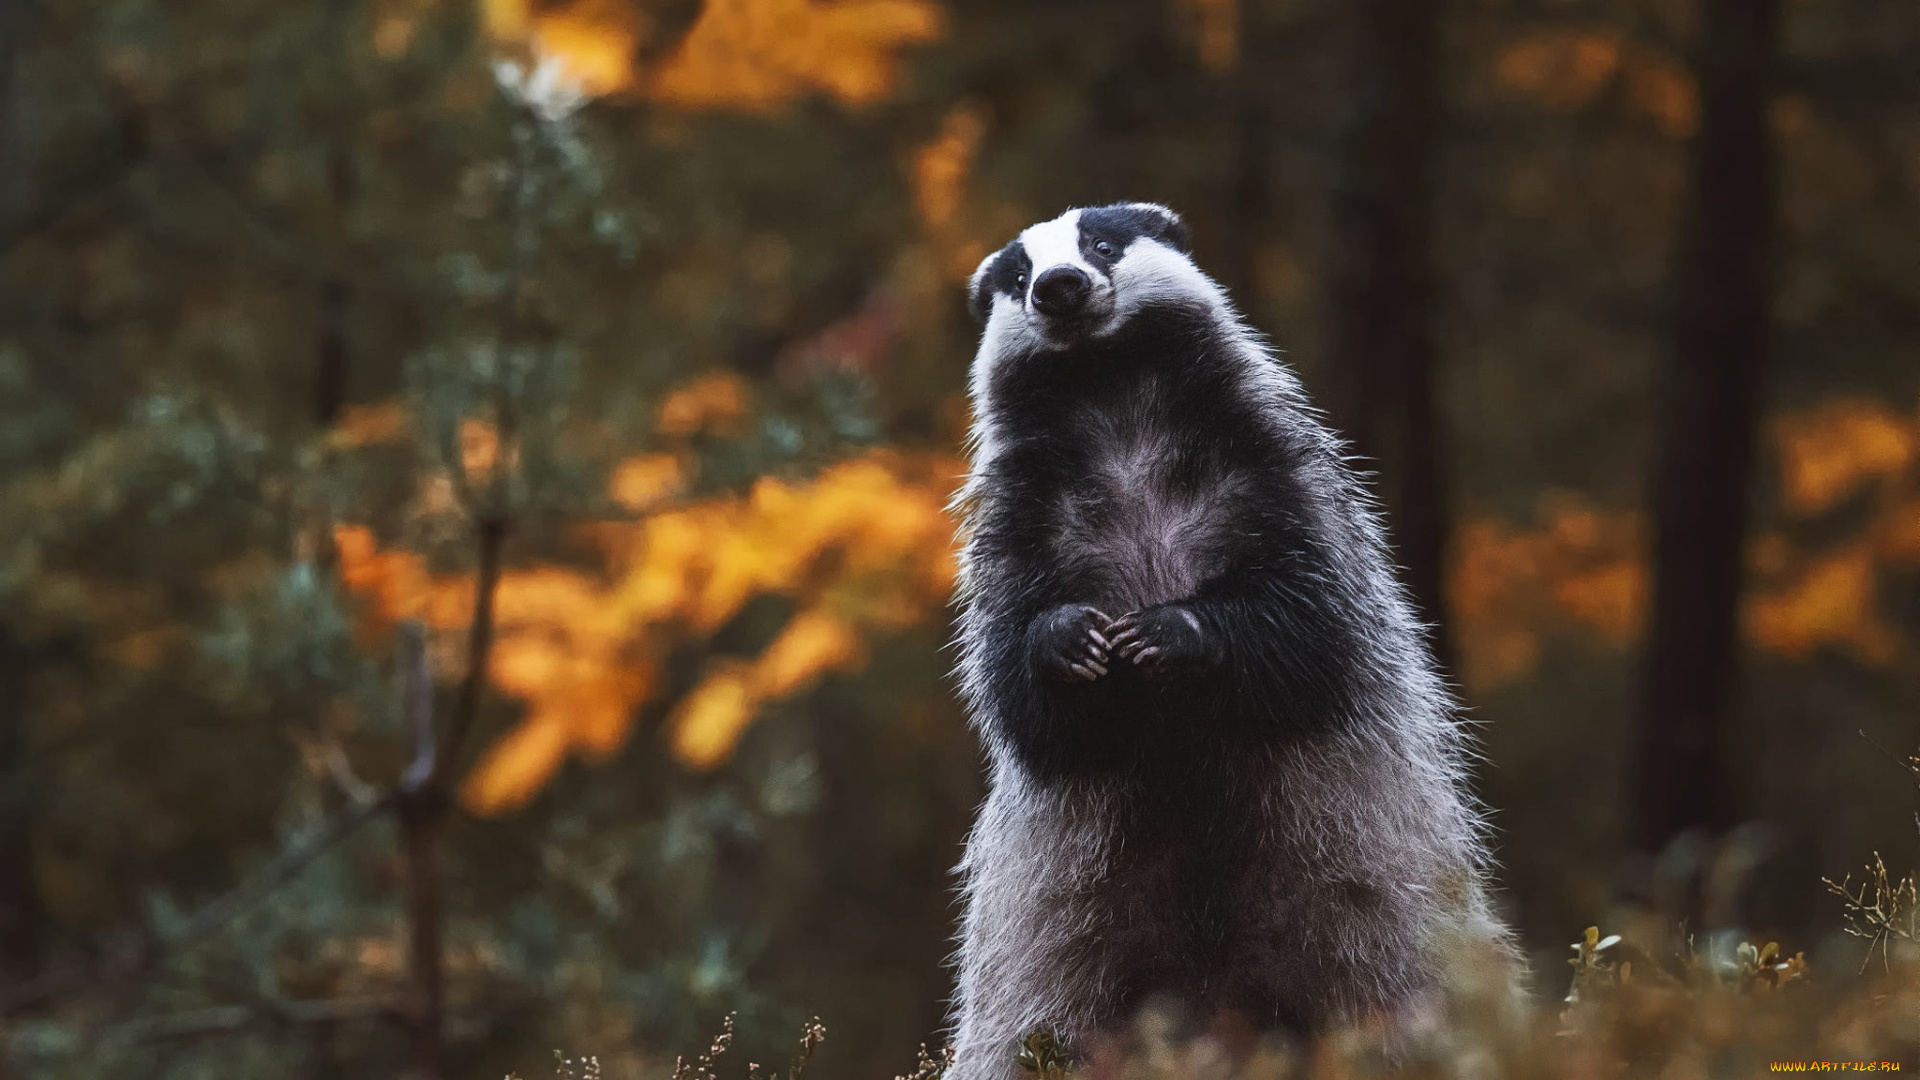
column 1082, row 275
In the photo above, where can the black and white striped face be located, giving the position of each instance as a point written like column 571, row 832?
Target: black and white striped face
column 1082, row 275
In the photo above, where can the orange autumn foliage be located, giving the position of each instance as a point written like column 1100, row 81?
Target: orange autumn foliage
column 592, row 41
column 749, row 55
column 864, row 547
column 758, row 55
column 643, row 482
column 366, row 425
column 1561, row 68
column 1835, row 449
column 711, row 718
column 939, row 176
column 1570, row 69
column 1831, row 603
column 1831, row 454
column 712, row 403
column 1665, row 90
column 1576, row 564
column 1509, row 584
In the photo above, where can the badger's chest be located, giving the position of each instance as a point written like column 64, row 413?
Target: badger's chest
column 1147, row 512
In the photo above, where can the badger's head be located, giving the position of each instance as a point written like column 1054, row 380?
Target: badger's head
column 1083, row 275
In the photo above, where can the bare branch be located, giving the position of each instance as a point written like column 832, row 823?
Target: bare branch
column 417, row 705
column 492, row 532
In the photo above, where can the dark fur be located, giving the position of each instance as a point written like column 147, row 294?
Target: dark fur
column 1225, row 771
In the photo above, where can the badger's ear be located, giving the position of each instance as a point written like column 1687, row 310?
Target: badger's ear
column 1169, row 229
column 980, row 289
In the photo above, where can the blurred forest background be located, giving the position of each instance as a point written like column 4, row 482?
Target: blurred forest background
column 473, row 567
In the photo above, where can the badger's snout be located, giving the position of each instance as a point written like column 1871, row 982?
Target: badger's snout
column 1061, row 291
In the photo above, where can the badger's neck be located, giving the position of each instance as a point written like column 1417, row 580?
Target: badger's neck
column 1174, row 343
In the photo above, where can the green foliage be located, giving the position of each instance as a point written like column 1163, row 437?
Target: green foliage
column 1041, row 1054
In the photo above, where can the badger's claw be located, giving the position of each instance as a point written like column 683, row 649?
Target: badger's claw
column 1159, row 639
column 1068, row 643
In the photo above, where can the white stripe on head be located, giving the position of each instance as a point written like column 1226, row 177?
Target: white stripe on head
column 1056, row 243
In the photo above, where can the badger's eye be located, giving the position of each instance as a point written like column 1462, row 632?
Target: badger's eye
column 1105, row 249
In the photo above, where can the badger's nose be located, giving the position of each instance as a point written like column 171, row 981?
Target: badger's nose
column 1062, row 290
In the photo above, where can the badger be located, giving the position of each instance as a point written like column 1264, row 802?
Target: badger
column 1224, row 769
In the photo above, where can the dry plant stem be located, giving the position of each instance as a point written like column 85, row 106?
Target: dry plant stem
column 1880, row 910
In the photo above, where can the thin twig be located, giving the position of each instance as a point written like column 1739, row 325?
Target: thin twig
column 417, row 706
column 492, row 532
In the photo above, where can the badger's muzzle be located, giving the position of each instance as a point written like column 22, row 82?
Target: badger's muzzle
column 1061, row 292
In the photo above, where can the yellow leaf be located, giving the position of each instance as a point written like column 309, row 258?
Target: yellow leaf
column 940, row 171
column 711, row 718
column 812, row 644
column 366, row 425
column 1833, row 603
column 640, row 483
column 515, row 768
column 715, row 402
column 1830, row 451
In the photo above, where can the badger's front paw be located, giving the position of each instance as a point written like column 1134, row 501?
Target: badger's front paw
column 1159, row 640
column 1069, row 642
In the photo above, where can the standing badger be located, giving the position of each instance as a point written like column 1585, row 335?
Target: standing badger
column 1224, row 770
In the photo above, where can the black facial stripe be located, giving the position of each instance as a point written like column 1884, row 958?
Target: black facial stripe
column 1001, row 279
column 1123, row 223
column 1092, row 239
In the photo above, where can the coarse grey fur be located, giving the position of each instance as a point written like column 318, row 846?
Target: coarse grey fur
column 1224, row 769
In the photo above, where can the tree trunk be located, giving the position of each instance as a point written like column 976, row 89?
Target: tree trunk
column 421, row 816
column 1380, row 281
column 12, row 27
column 20, row 911
column 1710, row 397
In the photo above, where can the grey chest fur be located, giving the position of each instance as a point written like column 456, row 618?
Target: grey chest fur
column 1149, row 519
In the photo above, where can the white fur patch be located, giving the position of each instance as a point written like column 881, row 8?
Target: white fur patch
column 1152, row 273
column 1055, row 243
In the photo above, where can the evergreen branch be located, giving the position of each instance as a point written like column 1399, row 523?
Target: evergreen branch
column 217, row 914
column 146, row 953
